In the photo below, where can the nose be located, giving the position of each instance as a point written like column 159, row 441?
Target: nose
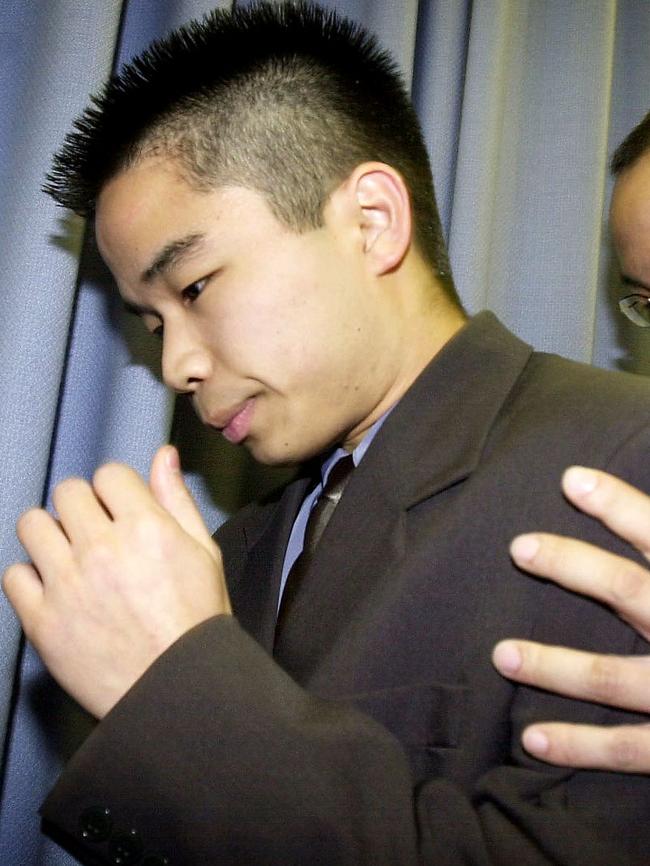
column 185, row 359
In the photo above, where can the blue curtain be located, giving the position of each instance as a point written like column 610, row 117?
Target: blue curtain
column 521, row 102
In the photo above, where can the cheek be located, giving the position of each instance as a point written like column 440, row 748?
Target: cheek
column 293, row 327
column 261, row 334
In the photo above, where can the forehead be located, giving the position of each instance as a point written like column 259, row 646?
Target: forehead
column 630, row 222
column 134, row 206
column 146, row 194
column 630, row 209
column 150, row 207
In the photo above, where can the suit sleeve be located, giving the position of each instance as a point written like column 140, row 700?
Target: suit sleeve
column 217, row 756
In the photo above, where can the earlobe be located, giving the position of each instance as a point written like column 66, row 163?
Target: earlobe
column 384, row 215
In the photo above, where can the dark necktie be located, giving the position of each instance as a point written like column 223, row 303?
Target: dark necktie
column 318, row 519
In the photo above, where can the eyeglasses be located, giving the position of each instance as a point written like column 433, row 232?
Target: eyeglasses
column 637, row 309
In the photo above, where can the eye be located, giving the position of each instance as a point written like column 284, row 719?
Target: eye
column 157, row 332
column 192, row 291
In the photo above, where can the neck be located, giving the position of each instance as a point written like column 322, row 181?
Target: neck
column 429, row 319
column 426, row 319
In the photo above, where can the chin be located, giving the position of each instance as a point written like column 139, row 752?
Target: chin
column 270, row 457
column 283, row 454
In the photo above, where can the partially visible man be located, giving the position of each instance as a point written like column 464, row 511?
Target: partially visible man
column 621, row 583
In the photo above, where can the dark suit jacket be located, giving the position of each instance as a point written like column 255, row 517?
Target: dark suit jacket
column 380, row 733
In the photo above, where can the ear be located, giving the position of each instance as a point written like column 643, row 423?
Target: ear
column 384, row 214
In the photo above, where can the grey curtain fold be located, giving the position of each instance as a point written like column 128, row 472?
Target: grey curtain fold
column 521, row 101
column 41, row 55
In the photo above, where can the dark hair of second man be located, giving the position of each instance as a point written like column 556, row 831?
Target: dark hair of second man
column 633, row 146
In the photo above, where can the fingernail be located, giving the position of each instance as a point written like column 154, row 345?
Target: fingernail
column 173, row 460
column 507, row 658
column 523, row 548
column 535, row 741
column 579, row 480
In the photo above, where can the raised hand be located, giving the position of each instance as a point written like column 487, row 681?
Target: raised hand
column 124, row 572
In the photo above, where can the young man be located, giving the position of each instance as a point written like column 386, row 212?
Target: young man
column 624, row 585
column 261, row 192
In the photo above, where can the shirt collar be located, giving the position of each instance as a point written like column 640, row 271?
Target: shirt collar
column 357, row 453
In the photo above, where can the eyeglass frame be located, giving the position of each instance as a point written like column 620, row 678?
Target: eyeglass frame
column 636, row 308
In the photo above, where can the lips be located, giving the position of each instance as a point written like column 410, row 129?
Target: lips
column 235, row 423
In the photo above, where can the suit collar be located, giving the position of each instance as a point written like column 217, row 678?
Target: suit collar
column 254, row 593
column 436, row 434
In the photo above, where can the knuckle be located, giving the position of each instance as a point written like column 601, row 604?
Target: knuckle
column 10, row 577
column 27, row 521
column 625, row 749
column 604, row 679
column 98, row 560
column 148, row 531
column 630, row 583
column 107, row 473
column 66, row 488
column 96, row 568
column 103, row 474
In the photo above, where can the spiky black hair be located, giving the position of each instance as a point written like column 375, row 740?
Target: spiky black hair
column 282, row 99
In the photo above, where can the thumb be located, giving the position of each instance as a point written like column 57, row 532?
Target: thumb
column 169, row 490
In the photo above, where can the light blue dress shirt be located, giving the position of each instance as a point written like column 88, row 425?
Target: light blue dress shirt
column 297, row 537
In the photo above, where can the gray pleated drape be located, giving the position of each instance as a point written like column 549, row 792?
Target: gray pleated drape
column 521, row 101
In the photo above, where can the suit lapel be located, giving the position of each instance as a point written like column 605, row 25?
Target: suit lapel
column 255, row 595
column 440, row 428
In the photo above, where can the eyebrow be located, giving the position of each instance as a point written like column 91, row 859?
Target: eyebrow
column 634, row 284
column 171, row 254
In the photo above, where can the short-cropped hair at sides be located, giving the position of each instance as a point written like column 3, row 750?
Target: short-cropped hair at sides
column 633, row 146
column 283, row 99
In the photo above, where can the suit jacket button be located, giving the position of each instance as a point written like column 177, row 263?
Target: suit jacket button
column 125, row 848
column 96, row 824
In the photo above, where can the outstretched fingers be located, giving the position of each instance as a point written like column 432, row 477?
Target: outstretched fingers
column 619, row 582
column 625, row 748
column 614, row 680
column 621, row 507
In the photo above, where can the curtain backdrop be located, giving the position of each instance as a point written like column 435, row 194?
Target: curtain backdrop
column 522, row 102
